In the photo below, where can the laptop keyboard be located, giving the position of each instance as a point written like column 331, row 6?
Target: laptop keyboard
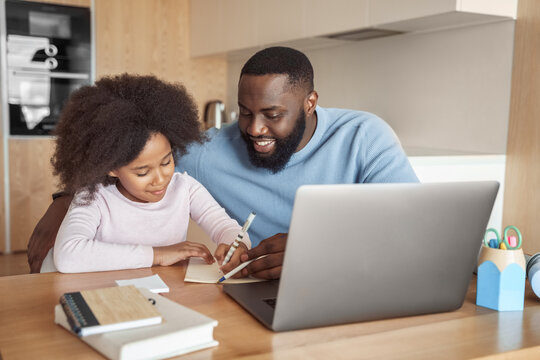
column 271, row 302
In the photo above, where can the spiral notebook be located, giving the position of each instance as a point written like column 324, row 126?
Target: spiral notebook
column 101, row 310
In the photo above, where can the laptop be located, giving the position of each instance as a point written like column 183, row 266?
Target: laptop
column 362, row 252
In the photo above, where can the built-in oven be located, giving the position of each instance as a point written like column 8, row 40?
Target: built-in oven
column 48, row 57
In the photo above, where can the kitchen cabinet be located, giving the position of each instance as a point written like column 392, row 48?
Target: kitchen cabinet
column 236, row 18
column 220, row 25
column 328, row 17
column 225, row 26
column 278, row 20
column 421, row 15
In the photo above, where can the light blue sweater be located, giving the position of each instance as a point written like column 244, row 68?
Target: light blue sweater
column 347, row 147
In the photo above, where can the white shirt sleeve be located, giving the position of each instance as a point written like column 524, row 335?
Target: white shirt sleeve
column 77, row 250
column 214, row 220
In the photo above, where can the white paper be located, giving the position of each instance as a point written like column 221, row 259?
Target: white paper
column 152, row 283
column 200, row 272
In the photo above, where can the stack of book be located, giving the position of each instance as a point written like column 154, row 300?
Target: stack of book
column 133, row 323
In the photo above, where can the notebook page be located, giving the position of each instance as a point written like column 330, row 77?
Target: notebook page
column 198, row 270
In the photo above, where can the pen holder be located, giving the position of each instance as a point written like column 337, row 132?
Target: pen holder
column 501, row 279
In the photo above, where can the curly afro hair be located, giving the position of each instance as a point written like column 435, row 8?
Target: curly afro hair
column 105, row 126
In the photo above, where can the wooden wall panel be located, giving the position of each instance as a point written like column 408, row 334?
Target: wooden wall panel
column 152, row 37
column 136, row 36
column 31, row 185
column 522, row 189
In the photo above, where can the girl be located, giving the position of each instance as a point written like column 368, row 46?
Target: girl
column 116, row 146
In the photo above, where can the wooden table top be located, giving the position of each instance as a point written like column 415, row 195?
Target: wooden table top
column 28, row 331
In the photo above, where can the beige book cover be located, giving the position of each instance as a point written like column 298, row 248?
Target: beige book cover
column 108, row 309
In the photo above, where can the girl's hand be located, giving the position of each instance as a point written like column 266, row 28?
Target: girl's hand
column 222, row 251
column 171, row 254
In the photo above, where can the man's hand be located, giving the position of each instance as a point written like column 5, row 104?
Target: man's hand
column 234, row 261
column 171, row 254
column 268, row 267
column 44, row 234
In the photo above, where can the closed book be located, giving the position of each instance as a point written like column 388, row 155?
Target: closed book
column 183, row 330
column 109, row 309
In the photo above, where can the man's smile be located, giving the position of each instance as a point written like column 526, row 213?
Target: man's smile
column 263, row 145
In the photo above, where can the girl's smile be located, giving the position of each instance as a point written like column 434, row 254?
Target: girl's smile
column 147, row 177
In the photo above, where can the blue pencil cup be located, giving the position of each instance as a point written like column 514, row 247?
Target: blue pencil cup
column 501, row 279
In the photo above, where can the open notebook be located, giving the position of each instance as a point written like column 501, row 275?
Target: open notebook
column 198, row 270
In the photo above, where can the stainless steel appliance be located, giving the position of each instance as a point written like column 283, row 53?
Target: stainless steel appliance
column 214, row 114
column 48, row 56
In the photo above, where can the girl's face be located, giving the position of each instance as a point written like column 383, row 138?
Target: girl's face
column 146, row 178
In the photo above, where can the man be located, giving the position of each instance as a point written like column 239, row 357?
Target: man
column 282, row 140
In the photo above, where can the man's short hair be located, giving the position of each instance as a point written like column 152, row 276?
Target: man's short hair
column 282, row 60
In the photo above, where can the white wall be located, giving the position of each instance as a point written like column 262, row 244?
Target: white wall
column 446, row 90
column 465, row 168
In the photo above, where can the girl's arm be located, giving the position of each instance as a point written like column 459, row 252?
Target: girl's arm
column 77, row 250
column 206, row 212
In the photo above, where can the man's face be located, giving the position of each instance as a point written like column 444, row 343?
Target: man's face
column 272, row 119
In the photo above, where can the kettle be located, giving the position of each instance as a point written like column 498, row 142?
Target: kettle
column 214, row 114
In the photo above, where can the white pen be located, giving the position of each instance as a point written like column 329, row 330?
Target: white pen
column 238, row 268
column 240, row 236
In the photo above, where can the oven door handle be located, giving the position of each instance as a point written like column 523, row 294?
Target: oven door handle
column 57, row 75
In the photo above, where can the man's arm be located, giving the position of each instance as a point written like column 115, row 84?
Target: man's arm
column 270, row 266
column 44, row 234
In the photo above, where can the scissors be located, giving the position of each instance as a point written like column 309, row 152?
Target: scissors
column 503, row 243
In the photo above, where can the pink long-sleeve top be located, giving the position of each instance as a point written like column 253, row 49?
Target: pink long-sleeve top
column 113, row 232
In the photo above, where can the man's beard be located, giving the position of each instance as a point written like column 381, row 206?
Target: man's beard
column 283, row 150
